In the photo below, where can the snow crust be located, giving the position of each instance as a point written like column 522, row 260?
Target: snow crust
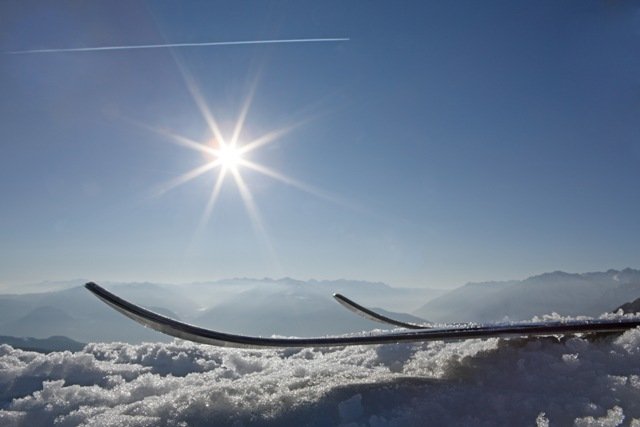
column 542, row 381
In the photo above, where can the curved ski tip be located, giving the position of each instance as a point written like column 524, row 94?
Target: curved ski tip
column 346, row 301
column 92, row 286
column 343, row 300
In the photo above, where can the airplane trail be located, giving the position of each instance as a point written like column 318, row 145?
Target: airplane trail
column 169, row 45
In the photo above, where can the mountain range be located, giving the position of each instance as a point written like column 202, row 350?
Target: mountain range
column 248, row 306
column 569, row 294
column 305, row 308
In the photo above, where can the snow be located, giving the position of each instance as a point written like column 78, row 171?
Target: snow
column 543, row 382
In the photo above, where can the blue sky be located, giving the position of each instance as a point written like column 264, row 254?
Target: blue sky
column 459, row 140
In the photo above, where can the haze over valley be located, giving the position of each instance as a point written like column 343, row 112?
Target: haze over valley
column 306, row 308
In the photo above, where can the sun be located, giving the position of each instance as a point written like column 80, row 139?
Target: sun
column 228, row 156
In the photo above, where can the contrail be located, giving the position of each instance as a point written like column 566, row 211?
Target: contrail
column 168, row 45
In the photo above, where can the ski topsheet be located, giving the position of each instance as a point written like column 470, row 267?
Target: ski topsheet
column 188, row 332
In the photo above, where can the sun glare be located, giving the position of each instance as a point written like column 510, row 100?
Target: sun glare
column 229, row 157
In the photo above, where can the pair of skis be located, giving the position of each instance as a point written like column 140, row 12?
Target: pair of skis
column 415, row 333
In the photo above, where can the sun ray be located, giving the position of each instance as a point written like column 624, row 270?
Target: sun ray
column 247, row 198
column 266, row 138
column 200, row 101
column 243, row 114
column 254, row 215
column 295, row 183
column 186, row 177
column 183, row 141
column 212, row 199
column 172, row 136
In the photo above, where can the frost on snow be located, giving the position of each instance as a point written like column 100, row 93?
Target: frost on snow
column 544, row 381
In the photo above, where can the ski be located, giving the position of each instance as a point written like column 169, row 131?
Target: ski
column 193, row 333
column 372, row 315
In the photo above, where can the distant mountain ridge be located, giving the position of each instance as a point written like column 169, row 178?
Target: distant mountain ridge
column 572, row 294
column 289, row 306
column 630, row 307
column 260, row 307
